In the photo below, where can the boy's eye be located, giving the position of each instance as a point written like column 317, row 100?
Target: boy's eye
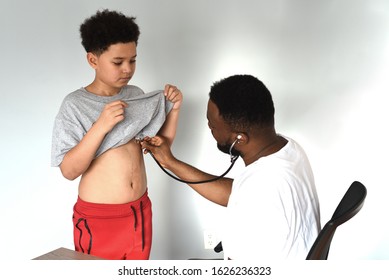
column 121, row 62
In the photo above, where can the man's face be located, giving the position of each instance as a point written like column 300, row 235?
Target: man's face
column 219, row 129
column 116, row 66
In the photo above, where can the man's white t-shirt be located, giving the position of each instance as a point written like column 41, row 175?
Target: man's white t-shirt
column 273, row 211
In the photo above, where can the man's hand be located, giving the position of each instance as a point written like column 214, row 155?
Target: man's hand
column 112, row 114
column 160, row 148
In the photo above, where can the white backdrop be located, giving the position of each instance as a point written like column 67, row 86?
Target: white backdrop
column 325, row 62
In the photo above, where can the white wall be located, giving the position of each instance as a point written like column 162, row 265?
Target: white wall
column 326, row 63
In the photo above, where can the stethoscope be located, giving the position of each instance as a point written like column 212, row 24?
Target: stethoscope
column 233, row 160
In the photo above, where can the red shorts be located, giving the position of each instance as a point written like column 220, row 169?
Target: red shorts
column 114, row 231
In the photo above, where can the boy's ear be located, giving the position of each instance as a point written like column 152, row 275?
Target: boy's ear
column 92, row 59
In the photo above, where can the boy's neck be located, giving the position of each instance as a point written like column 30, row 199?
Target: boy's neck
column 102, row 90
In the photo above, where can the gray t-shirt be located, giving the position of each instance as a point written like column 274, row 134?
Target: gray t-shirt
column 80, row 109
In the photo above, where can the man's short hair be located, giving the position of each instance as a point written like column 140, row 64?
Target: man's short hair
column 244, row 102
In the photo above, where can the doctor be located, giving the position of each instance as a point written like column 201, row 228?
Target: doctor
column 272, row 206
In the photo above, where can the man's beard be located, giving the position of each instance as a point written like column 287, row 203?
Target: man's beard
column 226, row 149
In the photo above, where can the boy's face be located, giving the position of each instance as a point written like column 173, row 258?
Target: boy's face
column 116, row 66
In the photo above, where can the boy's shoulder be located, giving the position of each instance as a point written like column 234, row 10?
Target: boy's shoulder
column 128, row 90
column 74, row 94
column 71, row 99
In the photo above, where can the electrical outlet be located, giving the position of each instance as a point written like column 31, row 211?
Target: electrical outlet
column 210, row 239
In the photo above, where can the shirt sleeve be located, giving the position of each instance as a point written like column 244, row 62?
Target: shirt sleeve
column 67, row 133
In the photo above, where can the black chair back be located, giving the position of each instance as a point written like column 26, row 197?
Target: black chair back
column 348, row 207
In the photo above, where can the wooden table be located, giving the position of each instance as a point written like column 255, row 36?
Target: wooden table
column 66, row 254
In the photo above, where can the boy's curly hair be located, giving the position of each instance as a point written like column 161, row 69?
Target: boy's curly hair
column 106, row 28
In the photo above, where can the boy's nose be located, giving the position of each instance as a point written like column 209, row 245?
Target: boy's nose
column 127, row 69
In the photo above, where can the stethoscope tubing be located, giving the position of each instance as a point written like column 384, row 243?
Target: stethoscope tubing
column 233, row 160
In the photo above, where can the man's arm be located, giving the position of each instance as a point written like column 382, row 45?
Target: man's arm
column 217, row 191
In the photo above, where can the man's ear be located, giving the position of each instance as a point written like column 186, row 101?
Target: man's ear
column 92, row 59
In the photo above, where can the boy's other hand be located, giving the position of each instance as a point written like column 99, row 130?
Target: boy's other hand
column 174, row 95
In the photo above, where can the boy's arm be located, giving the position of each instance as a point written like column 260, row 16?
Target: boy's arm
column 79, row 158
column 169, row 128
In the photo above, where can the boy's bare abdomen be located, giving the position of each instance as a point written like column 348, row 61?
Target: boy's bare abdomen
column 116, row 176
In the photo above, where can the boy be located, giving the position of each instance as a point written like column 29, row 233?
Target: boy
column 95, row 136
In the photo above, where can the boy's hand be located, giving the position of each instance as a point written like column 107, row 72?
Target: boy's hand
column 174, row 95
column 112, row 114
